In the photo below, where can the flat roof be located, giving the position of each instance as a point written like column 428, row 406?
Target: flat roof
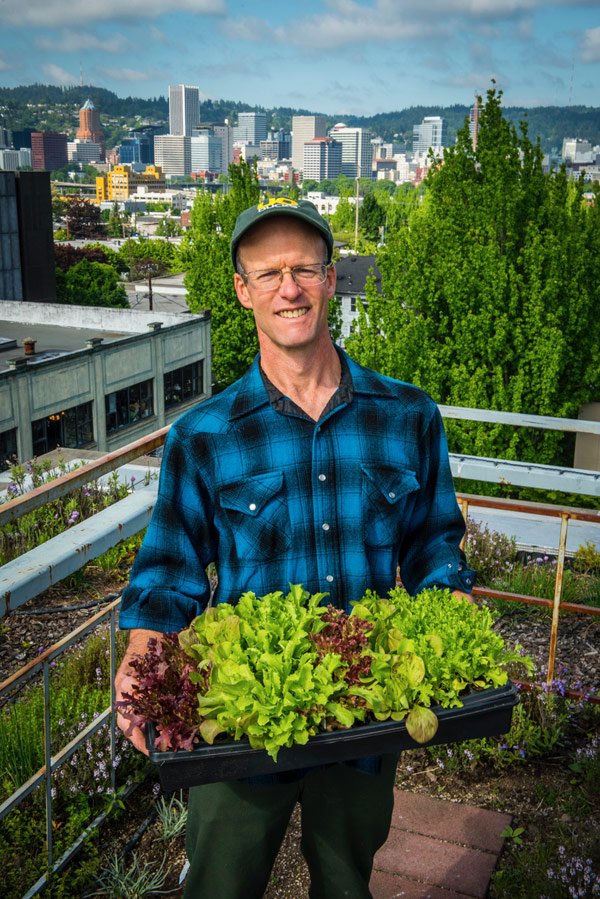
column 51, row 340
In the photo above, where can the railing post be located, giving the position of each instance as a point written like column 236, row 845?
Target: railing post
column 560, row 567
column 48, row 763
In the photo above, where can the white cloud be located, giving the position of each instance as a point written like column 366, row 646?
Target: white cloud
column 57, row 75
column 590, row 45
column 46, row 13
column 71, row 41
column 4, row 66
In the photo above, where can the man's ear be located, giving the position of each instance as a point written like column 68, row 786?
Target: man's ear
column 331, row 281
column 242, row 291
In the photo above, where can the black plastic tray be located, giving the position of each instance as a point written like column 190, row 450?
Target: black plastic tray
column 484, row 714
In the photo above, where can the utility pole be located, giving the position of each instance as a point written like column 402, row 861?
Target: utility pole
column 356, row 216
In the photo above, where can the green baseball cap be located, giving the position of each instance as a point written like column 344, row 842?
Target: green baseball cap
column 303, row 210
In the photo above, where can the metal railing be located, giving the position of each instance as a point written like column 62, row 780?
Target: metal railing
column 43, row 777
column 13, row 510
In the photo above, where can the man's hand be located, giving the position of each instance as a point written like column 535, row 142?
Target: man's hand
column 125, row 679
column 460, row 595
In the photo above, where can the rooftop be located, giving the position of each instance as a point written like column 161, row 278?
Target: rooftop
column 59, row 330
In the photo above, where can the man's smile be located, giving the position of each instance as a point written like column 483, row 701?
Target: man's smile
column 293, row 313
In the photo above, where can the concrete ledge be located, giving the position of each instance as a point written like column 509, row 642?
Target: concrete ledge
column 40, row 568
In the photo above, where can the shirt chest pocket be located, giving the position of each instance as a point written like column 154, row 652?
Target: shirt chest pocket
column 385, row 491
column 256, row 516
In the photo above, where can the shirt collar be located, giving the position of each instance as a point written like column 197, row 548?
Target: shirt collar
column 253, row 391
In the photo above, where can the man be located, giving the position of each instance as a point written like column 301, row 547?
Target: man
column 310, row 470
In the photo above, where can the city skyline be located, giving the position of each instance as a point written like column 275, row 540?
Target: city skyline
column 334, row 56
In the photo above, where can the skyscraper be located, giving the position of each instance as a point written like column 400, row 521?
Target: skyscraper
column 251, row 127
column 357, row 155
column 430, row 133
column 305, row 128
column 173, row 154
column 184, row 109
column 48, row 151
column 89, row 125
column 322, row 158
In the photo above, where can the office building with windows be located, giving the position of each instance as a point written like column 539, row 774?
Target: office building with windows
column 322, row 158
column 97, row 378
column 431, row 133
column 173, row 154
column 137, row 148
column 48, row 151
column 357, row 154
column 278, row 145
column 184, row 109
column 251, row 127
column 224, row 132
column 305, row 128
column 206, row 150
column 89, row 127
column 27, row 267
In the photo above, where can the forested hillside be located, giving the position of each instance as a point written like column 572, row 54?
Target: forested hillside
column 48, row 106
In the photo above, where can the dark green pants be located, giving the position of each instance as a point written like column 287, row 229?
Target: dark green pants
column 234, row 831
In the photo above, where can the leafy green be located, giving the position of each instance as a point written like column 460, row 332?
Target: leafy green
column 278, row 669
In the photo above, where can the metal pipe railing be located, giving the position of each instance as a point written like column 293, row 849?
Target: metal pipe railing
column 565, row 513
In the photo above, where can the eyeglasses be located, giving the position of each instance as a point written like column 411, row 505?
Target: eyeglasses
column 304, row 276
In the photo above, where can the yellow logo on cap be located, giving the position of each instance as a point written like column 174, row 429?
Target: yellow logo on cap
column 277, row 201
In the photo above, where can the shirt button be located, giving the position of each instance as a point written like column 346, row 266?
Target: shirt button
column 392, row 495
column 252, row 507
column 322, row 477
column 329, row 578
column 325, row 526
column 449, row 564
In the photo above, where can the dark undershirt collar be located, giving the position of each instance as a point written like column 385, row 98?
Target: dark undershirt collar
column 342, row 396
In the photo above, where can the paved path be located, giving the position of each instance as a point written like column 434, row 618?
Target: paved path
column 437, row 849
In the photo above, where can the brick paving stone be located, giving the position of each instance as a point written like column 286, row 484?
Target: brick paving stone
column 392, row 886
column 436, row 862
column 454, row 821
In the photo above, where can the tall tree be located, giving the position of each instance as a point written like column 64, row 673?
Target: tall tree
column 209, row 273
column 490, row 292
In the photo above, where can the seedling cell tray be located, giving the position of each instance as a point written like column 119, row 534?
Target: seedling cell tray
column 484, row 714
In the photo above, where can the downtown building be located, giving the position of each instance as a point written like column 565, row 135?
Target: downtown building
column 322, row 159
column 206, row 152
column 184, row 110
column 430, row 134
column 89, row 131
column 48, row 151
column 305, row 128
column 357, row 154
column 251, row 128
column 173, row 154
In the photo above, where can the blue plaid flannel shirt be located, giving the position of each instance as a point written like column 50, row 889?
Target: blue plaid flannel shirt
column 276, row 499
column 250, row 482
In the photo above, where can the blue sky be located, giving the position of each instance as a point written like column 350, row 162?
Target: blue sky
column 332, row 56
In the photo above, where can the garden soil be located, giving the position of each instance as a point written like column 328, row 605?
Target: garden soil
column 529, row 791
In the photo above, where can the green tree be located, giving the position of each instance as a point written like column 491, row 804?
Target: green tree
column 90, row 284
column 344, row 217
column 133, row 250
column 114, row 225
column 204, row 254
column 371, row 217
column 58, row 204
column 490, row 292
column 168, row 227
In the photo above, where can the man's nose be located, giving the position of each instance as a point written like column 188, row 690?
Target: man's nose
column 288, row 284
